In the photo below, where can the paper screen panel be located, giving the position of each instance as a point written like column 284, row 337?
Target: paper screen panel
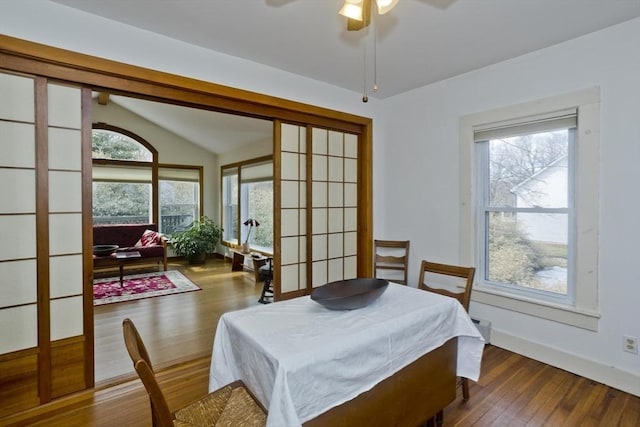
column 17, row 145
column 17, row 190
column 18, row 237
column 66, row 318
column 64, row 106
column 65, row 233
column 65, row 276
column 65, row 149
column 18, row 282
column 16, row 93
column 18, row 328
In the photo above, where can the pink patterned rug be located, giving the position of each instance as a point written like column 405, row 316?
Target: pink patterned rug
column 138, row 286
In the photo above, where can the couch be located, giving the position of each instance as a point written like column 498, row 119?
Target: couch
column 128, row 237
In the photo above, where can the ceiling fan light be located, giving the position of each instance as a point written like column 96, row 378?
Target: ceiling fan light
column 385, row 6
column 352, row 9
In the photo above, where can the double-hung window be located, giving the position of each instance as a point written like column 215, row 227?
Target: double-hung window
column 529, row 206
column 525, row 191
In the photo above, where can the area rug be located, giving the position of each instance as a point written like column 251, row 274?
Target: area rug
column 139, row 286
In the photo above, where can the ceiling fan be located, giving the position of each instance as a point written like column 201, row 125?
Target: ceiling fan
column 359, row 12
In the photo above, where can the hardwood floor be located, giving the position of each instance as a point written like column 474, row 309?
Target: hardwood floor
column 513, row 390
column 176, row 328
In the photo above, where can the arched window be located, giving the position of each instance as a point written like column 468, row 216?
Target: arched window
column 123, row 170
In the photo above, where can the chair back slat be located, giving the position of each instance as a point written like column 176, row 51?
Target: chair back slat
column 391, row 255
column 466, row 273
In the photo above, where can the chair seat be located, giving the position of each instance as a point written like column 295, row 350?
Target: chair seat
column 228, row 406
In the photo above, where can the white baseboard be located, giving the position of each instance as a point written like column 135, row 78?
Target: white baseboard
column 622, row 380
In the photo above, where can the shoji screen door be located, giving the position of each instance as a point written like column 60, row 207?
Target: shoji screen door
column 317, row 202
column 44, row 351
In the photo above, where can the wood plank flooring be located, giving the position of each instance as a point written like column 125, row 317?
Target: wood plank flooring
column 513, row 390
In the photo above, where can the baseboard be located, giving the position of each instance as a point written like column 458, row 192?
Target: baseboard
column 628, row 382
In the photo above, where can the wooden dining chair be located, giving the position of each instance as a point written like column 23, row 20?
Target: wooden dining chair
column 449, row 279
column 263, row 270
column 391, row 260
column 232, row 405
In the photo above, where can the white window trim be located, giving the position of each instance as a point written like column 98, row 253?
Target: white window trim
column 583, row 312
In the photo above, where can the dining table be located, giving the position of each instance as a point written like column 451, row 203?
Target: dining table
column 301, row 359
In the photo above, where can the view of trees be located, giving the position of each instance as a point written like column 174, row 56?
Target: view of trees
column 514, row 256
column 261, row 208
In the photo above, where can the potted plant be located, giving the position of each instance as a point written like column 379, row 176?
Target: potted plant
column 197, row 241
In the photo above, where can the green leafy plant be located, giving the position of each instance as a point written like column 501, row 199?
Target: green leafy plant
column 198, row 240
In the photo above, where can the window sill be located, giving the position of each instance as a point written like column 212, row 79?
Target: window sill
column 569, row 315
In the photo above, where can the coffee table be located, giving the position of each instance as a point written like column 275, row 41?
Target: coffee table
column 123, row 258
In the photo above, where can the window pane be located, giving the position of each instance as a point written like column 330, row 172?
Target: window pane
column 258, row 204
column 112, row 145
column 528, row 250
column 230, row 207
column 529, row 170
column 121, row 203
column 179, row 205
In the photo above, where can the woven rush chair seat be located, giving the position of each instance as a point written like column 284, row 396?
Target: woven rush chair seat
column 230, row 406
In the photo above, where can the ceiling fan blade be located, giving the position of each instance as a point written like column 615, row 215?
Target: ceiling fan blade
column 355, row 25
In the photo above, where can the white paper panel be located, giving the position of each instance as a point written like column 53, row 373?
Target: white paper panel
column 319, row 168
column 350, row 267
column 17, row 191
column 65, row 276
column 319, row 273
column 65, row 149
column 66, row 318
column 302, row 194
column 18, row 236
column 350, row 219
column 302, row 247
column 65, row 191
column 351, row 195
column 65, row 234
column 335, row 270
column 17, row 95
column 336, row 146
column 350, row 170
column 335, row 245
column 289, row 168
column 289, row 138
column 302, row 158
column 289, row 278
column 302, row 272
column 335, row 194
column 17, row 144
column 335, row 220
column 64, row 106
column 319, row 141
column 319, row 196
column 19, row 284
column 319, row 225
column 350, row 244
column 289, row 194
column 18, row 328
column 350, row 145
column 289, row 250
column 335, row 169
column 289, row 222
column 319, row 247
column 303, row 139
column 303, row 221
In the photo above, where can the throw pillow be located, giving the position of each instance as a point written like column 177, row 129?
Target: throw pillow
column 148, row 238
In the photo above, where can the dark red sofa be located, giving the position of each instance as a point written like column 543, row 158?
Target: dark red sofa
column 126, row 236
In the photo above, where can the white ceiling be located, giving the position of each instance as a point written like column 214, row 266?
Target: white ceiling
column 419, row 41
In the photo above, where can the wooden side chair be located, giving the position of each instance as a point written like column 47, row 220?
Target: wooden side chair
column 449, row 276
column 263, row 269
column 232, row 405
column 391, row 260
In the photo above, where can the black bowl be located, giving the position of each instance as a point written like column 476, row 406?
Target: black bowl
column 104, row 250
column 349, row 294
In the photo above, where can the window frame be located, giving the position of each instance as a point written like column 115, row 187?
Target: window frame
column 238, row 172
column 191, row 168
column 583, row 310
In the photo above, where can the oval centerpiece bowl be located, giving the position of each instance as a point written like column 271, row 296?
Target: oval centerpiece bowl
column 349, row 294
column 104, row 250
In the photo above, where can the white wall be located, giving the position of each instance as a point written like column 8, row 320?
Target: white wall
column 421, row 127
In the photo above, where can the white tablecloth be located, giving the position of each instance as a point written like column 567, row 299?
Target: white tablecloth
column 301, row 359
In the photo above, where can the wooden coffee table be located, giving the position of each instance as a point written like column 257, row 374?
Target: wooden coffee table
column 123, row 258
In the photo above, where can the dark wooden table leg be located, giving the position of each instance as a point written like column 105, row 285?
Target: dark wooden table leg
column 121, row 273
